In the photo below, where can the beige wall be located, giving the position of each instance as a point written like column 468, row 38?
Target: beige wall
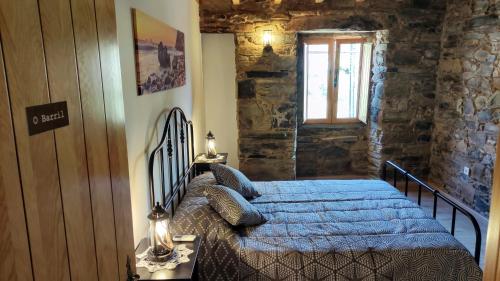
column 219, row 87
column 143, row 112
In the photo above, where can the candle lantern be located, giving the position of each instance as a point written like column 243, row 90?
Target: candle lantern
column 160, row 239
column 267, row 38
column 211, row 151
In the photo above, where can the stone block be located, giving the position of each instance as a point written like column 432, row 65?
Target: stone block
column 254, row 116
column 246, row 89
column 268, row 169
column 477, row 172
column 450, row 65
column 495, row 36
column 396, row 117
column 486, row 70
column 283, row 116
column 496, row 83
column 424, row 138
column 482, row 21
column 473, row 36
column 391, row 150
column 341, row 4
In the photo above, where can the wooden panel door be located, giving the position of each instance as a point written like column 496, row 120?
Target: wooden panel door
column 27, row 84
column 94, row 115
column 15, row 264
column 492, row 257
column 64, row 194
column 111, row 77
column 57, row 31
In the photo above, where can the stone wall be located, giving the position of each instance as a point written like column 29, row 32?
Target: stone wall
column 468, row 101
column 375, row 109
column 266, row 107
column 402, row 97
column 332, row 150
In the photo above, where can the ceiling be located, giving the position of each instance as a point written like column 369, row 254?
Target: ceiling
column 257, row 5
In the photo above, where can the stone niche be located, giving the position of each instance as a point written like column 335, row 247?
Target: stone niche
column 332, row 149
column 402, row 91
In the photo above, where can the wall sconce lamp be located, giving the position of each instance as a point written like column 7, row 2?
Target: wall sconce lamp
column 160, row 239
column 211, row 151
column 267, row 38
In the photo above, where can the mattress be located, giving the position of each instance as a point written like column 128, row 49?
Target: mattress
column 324, row 230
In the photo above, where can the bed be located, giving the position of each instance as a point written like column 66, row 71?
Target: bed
column 315, row 229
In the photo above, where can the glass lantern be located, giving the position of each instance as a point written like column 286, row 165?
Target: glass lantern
column 267, row 38
column 211, row 151
column 160, row 239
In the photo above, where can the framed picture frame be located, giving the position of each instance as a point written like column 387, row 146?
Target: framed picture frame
column 159, row 54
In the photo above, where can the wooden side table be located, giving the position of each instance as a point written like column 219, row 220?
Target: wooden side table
column 183, row 272
column 202, row 163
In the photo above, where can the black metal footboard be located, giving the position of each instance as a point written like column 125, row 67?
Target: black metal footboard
column 436, row 194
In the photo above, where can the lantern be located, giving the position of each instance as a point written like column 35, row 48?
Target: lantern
column 267, row 38
column 211, row 151
column 160, row 239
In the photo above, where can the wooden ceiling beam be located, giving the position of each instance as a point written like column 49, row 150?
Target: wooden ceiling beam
column 276, row 2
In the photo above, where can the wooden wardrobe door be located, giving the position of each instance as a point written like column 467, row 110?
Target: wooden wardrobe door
column 15, row 264
column 21, row 35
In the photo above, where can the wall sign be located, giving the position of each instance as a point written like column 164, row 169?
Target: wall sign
column 46, row 117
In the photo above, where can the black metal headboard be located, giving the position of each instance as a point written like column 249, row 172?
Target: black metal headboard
column 175, row 153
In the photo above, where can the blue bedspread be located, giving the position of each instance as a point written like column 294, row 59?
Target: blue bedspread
column 325, row 230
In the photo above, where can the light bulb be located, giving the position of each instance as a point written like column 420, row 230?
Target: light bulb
column 267, row 38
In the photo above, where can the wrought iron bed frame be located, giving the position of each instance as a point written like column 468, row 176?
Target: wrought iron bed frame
column 178, row 131
column 436, row 194
column 177, row 135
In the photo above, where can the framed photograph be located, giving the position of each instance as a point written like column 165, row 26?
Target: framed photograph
column 159, row 54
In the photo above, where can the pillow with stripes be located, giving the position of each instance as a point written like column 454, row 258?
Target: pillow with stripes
column 231, row 206
column 232, row 178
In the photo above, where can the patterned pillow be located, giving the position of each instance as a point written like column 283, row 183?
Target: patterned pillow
column 231, row 206
column 234, row 179
column 196, row 187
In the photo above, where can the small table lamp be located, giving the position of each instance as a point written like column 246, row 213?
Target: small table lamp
column 211, row 151
column 160, row 238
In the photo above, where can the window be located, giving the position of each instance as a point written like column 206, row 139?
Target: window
column 336, row 80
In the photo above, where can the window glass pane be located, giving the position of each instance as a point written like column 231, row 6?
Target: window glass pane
column 316, row 74
column 348, row 80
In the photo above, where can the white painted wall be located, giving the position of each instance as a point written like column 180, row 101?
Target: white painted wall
column 219, row 87
column 143, row 112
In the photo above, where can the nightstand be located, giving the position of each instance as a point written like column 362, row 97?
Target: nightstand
column 183, row 272
column 202, row 163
